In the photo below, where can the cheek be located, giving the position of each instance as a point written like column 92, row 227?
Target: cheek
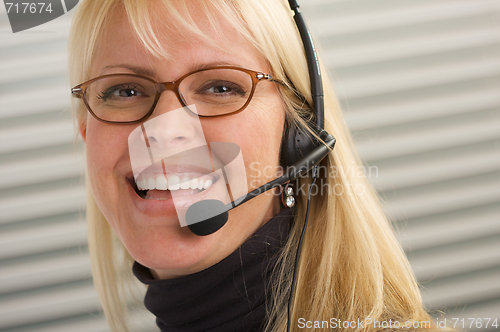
column 100, row 147
column 105, row 147
column 264, row 132
column 258, row 132
column 263, row 151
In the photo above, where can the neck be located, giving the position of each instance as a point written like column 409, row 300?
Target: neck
column 228, row 296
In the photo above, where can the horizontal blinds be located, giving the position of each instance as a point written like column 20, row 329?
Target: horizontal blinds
column 419, row 82
column 45, row 278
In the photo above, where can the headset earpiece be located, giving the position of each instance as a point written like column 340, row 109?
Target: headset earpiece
column 297, row 143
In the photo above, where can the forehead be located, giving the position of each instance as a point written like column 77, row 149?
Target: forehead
column 185, row 50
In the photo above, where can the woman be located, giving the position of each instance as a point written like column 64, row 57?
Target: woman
column 351, row 266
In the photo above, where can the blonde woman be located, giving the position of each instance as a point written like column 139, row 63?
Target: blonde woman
column 351, row 268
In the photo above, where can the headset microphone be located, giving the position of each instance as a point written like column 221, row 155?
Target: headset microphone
column 214, row 214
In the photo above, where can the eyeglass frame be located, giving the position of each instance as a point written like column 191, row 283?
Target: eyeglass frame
column 79, row 90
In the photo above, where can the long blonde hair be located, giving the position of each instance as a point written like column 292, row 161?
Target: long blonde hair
column 351, row 266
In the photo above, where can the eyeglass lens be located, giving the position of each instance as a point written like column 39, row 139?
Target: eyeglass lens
column 127, row 98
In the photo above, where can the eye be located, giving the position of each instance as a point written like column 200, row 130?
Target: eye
column 121, row 92
column 221, row 89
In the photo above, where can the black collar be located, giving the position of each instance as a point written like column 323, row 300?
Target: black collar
column 228, row 296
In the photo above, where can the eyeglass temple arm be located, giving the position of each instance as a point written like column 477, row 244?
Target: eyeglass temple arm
column 77, row 92
column 261, row 76
column 313, row 65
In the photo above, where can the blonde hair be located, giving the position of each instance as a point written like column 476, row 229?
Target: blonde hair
column 351, row 264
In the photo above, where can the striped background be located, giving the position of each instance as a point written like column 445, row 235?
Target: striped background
column 420, row 85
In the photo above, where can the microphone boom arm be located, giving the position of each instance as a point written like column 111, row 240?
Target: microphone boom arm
column 300, row 168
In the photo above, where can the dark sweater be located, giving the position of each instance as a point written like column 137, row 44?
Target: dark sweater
column 228, row 296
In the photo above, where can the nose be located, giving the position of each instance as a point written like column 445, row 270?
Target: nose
column 173, row 128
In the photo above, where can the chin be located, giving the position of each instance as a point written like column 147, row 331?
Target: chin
column 173, row 251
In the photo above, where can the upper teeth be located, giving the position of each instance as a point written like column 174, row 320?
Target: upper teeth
column 173, row 182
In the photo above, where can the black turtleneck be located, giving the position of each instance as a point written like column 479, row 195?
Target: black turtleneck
column 226, row 297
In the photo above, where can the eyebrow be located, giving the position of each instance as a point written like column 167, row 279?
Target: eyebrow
column 213, row 64
column 137, row 70
column 150, row 73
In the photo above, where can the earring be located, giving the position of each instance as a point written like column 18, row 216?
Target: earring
column 287, row 197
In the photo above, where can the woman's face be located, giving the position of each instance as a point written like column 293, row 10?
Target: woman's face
column 150, row 232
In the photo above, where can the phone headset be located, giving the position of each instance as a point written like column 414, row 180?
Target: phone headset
column 301, row 152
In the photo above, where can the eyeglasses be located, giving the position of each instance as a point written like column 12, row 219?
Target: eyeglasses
column 130, row 98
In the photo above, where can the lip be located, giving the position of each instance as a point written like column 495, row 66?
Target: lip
column 168, row 208
column 161, row 167
column 174, row 207
column 196, row 160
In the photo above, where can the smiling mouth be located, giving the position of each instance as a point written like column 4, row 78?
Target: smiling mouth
column 161, row 187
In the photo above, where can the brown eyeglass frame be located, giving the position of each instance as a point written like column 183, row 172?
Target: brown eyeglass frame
column 79, row 90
